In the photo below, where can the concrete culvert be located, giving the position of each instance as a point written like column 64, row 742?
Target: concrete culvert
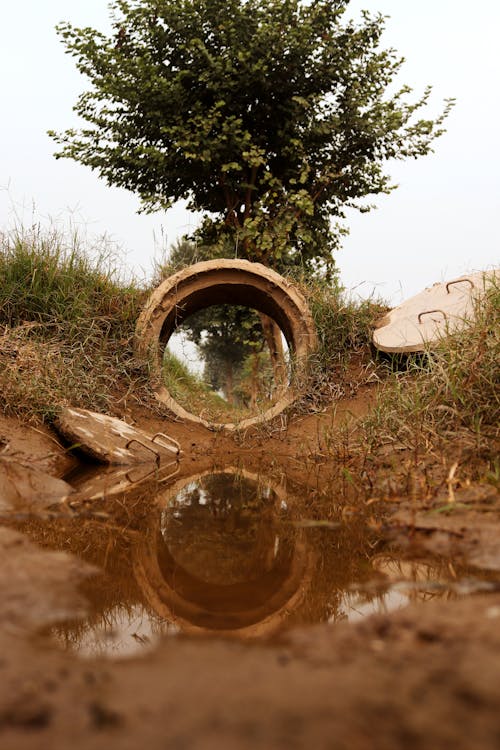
column 222, row 282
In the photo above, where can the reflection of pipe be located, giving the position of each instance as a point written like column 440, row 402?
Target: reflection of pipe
column 173, row 490
column 218, row 282
column 164, row 593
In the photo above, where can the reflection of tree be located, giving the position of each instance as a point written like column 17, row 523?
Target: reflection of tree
column 232, row 534
column 226, row 529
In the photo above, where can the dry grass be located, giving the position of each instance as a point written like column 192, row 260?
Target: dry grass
column 455, row 387
column 345, row 358
column 440, row 415
column 66, row 325
column 66, row 336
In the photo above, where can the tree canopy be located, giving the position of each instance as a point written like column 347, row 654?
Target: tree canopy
column 270, row 116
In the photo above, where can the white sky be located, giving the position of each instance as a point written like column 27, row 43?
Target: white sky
column 441, row 222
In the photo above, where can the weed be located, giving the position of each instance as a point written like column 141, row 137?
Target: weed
column 458, row 384
column 448, row 400
column 343, row 359
column 191, row 391
column 66, row 336
column 67, row 324
column 48, row 279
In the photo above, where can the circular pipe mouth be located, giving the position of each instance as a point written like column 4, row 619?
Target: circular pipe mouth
column 219, row 282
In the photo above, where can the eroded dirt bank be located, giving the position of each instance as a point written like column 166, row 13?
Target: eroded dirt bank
column 426, row 676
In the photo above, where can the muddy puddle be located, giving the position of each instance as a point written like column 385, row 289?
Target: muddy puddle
column 224, row 552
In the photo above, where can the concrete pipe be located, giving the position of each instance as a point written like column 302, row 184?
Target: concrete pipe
column 222, row 282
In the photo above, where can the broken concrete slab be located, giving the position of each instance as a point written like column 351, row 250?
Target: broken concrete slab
column 110, row 440
column 432, row 314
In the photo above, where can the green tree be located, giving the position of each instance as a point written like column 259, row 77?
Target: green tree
column 225, row 336
column 270, row 116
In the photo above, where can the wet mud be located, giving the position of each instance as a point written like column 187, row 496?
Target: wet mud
column 226, row 552
column 214, row 602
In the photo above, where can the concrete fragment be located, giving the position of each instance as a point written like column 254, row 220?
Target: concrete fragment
column 432, row 314
column 113, row 441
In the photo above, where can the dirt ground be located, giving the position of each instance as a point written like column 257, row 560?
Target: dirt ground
column 423, row 677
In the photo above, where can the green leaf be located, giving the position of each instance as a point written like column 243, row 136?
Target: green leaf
column 230, row 106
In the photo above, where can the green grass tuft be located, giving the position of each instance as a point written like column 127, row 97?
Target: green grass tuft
column 66, row 324
column 344, row 359
column 47, row 279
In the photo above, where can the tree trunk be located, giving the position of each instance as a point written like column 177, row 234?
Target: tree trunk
column 272, row 335
column 229, row 386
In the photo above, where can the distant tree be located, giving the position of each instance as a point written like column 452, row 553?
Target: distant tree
column 270, row 116
column 226, row 335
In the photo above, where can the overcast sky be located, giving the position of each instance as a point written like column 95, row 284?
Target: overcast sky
column 441, row 222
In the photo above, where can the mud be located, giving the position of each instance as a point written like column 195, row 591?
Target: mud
column 422, row 676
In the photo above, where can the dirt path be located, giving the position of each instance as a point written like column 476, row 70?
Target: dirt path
column 424, row 677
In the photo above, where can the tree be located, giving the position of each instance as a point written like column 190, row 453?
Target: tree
column 271, row 116
column 226, row 335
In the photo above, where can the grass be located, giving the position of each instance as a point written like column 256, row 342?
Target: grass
column 436, row 423
column 194, row 394
column 66, row 323
column 344, row 359
column 47, row 278
column 446, row 404
column 191, row 391
column 456, row 386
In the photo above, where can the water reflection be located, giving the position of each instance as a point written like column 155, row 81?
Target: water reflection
column 223, row 552
column 122, row 631
column 94, row 483
column 225, row 556
column 396, row 584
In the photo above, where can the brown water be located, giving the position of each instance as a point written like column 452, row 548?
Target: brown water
column 229, row 553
